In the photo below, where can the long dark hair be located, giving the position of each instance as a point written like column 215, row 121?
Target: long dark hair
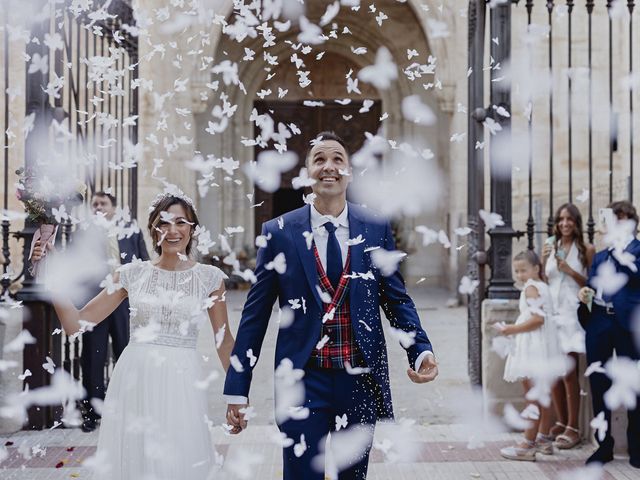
column 578, row 233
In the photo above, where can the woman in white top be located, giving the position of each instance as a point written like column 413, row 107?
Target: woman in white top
column 567, row 258
column 155, row 417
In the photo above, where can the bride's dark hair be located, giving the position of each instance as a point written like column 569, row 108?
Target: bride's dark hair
column 163, row 206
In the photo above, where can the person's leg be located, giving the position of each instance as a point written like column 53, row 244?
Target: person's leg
column 356, row 398
column 599, row 346
column 298, row 461
column 572, row 388
column 559, row 397
column 526, row 449
column 570, row 437
column 531, row 432
column 92, row 360
column 625, row 347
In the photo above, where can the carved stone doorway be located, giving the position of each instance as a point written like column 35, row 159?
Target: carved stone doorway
column 344, row 120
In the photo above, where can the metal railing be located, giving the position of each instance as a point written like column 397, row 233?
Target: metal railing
column 90, row 91
column 569, row 66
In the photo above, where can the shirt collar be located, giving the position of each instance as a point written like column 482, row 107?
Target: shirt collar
column 318, row 219
column 627, row 242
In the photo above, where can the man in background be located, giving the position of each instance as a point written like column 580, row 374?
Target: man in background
column 95, row 343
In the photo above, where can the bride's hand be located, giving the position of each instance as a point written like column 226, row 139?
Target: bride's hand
column 235, row 418
column 38, row 251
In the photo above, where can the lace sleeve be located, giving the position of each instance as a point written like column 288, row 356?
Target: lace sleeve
column 214, row 278
column 125, row 275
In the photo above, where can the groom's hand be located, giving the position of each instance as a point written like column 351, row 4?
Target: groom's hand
column 428, row 371
column 235, row 418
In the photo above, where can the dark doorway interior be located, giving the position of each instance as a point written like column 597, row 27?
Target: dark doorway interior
column 345, row 120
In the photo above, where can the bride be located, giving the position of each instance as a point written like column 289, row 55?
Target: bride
column 154, row 417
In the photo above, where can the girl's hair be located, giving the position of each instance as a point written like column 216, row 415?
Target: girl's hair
column 578, row 234
column 531, row 258
column 162, row 206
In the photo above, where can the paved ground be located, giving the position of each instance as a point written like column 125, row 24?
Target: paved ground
column 449, row 437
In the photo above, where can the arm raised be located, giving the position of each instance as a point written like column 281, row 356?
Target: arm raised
column 98, row 308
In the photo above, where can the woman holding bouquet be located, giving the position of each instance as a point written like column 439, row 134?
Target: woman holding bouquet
column 567, row 258
column 154, row 418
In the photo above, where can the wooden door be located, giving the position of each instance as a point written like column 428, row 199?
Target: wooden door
column 344, row 120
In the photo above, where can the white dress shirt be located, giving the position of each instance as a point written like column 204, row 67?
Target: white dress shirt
column 321, row 237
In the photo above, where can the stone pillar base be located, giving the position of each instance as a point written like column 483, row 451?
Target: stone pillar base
column 10, row 384
column 495, row 391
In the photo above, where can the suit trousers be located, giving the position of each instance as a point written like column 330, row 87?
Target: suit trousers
column 331, row 393
column 604, row 334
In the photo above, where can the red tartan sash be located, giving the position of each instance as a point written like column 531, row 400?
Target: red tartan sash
column 336, row 344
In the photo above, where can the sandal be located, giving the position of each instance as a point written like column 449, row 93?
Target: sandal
column 544, row 444
column 565, row 441
column 524, row 451
column 557, row 430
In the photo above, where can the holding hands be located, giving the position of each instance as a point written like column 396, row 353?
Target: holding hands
column 236, row 418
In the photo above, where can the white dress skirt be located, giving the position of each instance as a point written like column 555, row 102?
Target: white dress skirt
column 154, row 419
column 532, row 349
column 564, row 297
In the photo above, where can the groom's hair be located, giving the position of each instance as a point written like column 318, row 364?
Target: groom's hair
column 626, row 208
column 323, row 136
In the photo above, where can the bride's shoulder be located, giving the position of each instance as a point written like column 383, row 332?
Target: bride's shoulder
column 211, row 270
column 212, row 275
column 134, row 265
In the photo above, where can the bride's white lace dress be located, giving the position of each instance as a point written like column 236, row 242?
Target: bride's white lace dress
column 154, row 419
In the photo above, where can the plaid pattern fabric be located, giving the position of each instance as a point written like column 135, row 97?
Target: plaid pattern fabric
column 341, row 346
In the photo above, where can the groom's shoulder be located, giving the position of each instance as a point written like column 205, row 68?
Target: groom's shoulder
column 285, row 220
column 367, row 216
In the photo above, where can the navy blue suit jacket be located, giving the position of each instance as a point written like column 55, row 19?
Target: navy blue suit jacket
column 133, row 245
column 297, row 341
column 627, row 299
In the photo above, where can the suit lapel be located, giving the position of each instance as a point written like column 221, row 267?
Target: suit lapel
column 300, row 225
column 356, row 227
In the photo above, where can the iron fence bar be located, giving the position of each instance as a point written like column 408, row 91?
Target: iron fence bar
column 5, row 282
column 630, row 7
column 550, row 221
column 475, row 199
column 570, row 98
column 612, row 120
column 590, row 221
column 133, row 96
column 501, row 282
column 530, row 220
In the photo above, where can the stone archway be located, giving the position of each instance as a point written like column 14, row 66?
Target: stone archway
column 228, row 205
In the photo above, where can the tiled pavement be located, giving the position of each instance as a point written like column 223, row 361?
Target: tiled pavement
column 450, row 440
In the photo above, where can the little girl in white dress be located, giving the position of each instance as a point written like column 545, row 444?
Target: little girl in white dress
column 534, row 344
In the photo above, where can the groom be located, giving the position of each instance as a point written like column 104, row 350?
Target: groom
column 336, row 336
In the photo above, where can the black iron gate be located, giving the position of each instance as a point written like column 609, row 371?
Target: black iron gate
column 563, row 117
column 85, row 86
